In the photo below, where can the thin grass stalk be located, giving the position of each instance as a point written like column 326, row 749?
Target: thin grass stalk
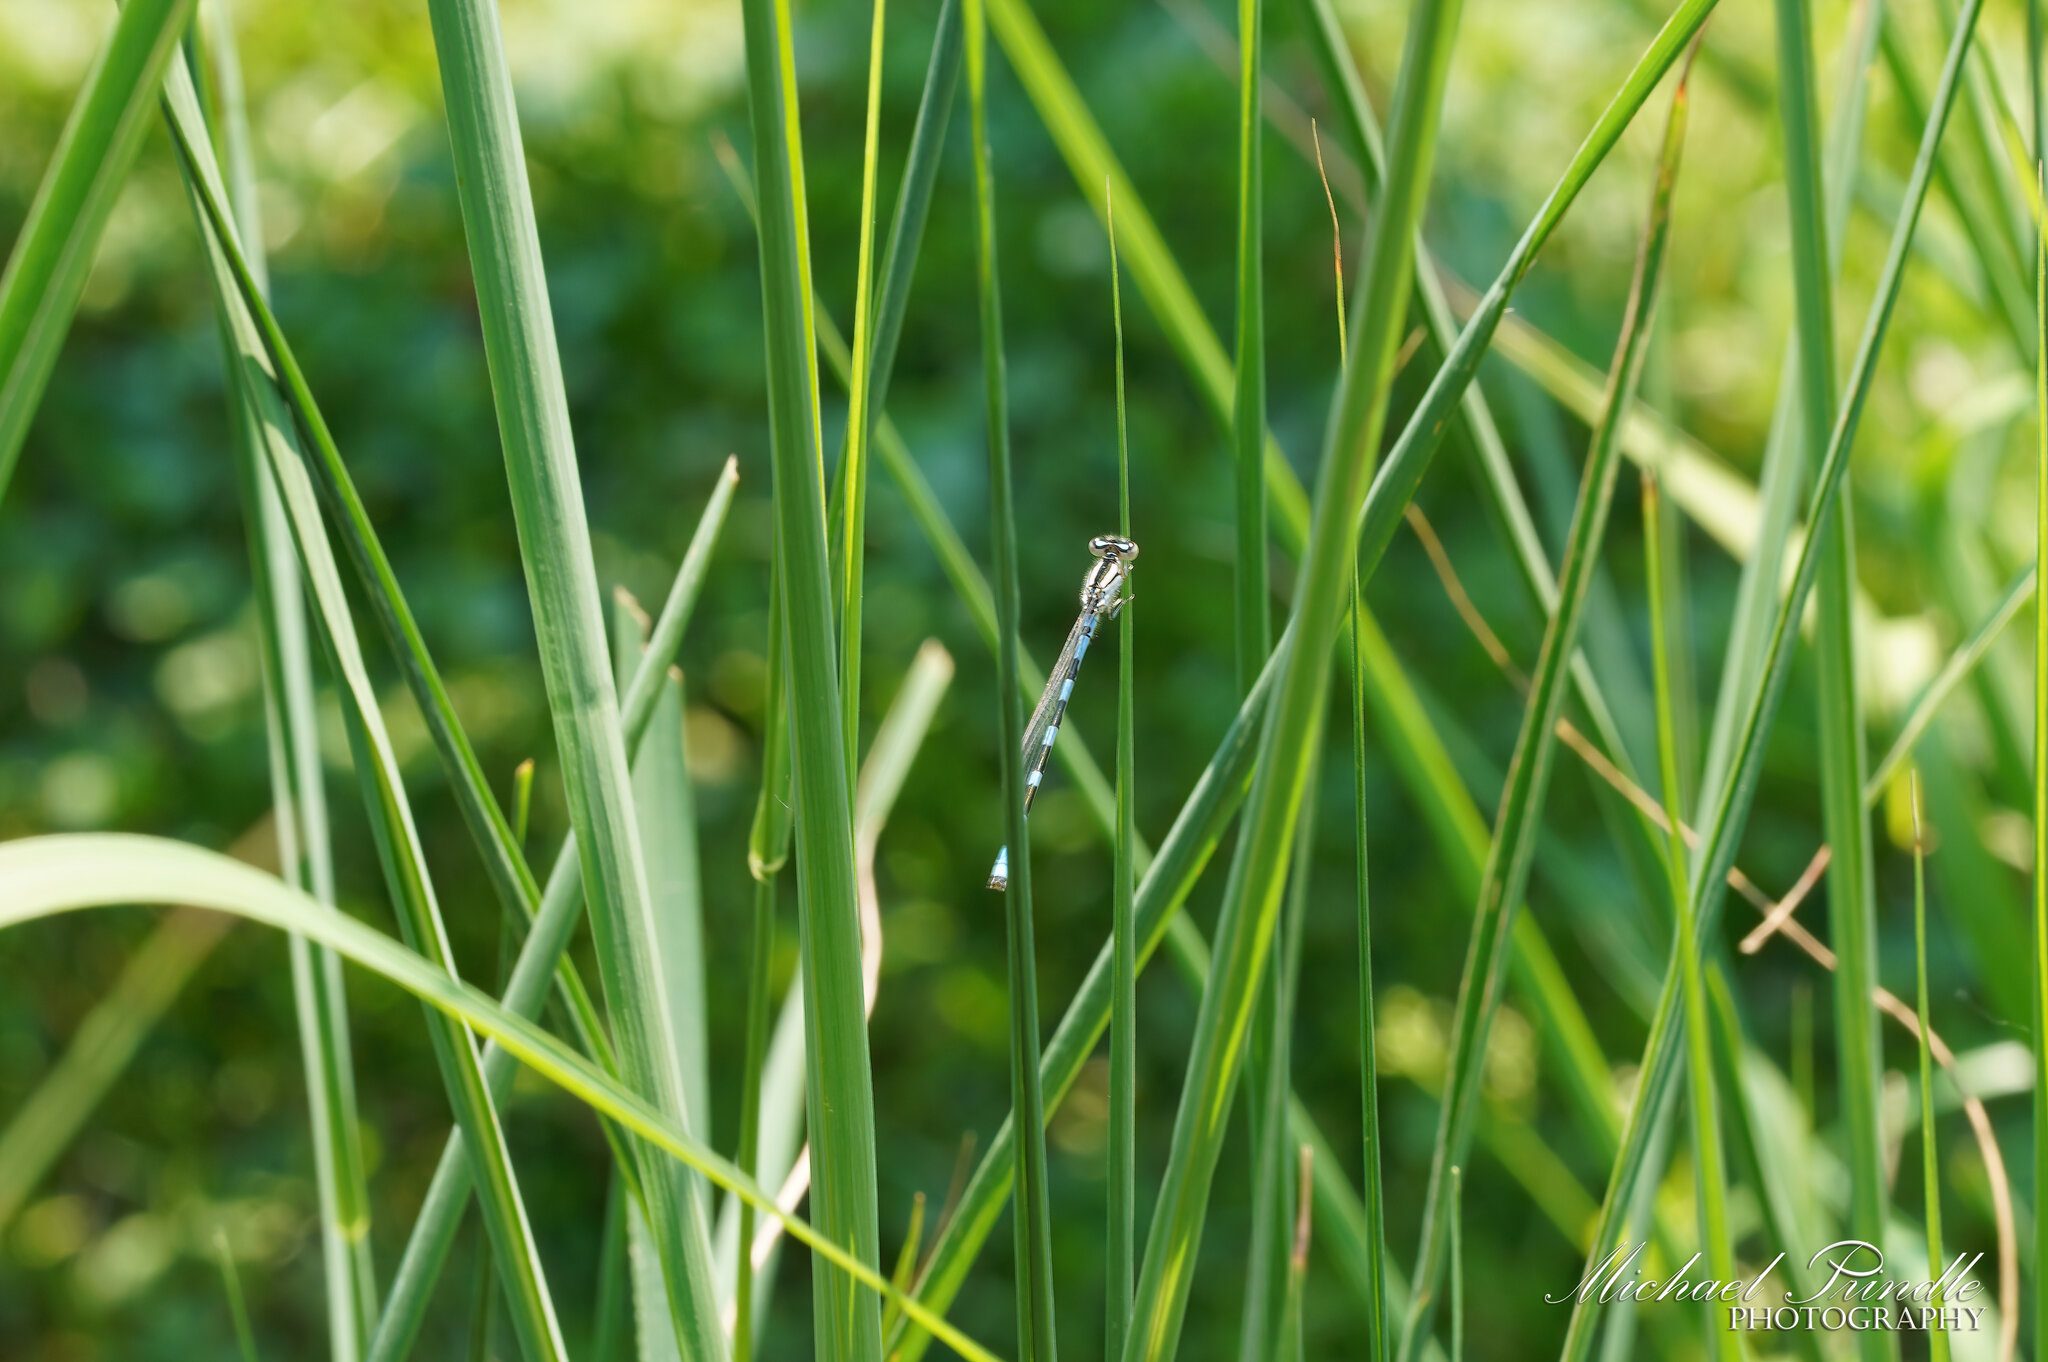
column 853, row 467
column 840, row 1092
column 51, row 875
column 1253, row 614
column 1258, row 871
column 1457, row 1265
column 906, row 1262
column 554, row 536
column 1731, row 806
column 1938, row 1349
column 1122, row 1243
column 299, row 792
column 1710, row 1172
column 46, row 271
column 2040, row 839
column 238, row 1306
column 759, row 984
column 1378, row 1340
column 1852, row 906
column 1032, row 1209
column 1521, row 806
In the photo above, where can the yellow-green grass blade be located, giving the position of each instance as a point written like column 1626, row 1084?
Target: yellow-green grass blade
column 554, row 538
column 1930, row 1145
column 299, row 797
column 1122, row 1242
column 1031, row 1202
column 47, row 876
column 850, row 516
column 238, row 1306
column 1521, row 806
column 2040, row 773
column 1293, row 720
column 1852, row 905
column 46, row 270
column 1252, row 616
column 44, row 1123
column 1730, row 809
column 1710, row 1170
column 841, row 1106
column 391, row 820
column 1378, row 1322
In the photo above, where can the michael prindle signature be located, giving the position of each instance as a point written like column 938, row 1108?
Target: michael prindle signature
column 1856, row 1295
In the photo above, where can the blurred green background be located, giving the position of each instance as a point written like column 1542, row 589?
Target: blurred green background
column 128, row 665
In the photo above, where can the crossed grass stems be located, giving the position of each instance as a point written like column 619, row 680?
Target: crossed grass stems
column 1612, row 773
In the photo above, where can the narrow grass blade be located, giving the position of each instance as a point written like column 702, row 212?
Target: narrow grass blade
column 299, row 794
column 43, row 1125
column 46, row 271
column 2040, row 830
column 1253, row 631
column 1032, row 1201
column 852, row 513
column 1852, row 906
column 51, row 875
column 1122, row 1241
column 1930, row 1145
column 761, row 962
column 1258, row 872
column 1521, row 807
column 841, row 1088
column 1710, row 1171
column 1378, row 1322
column 906, row 1262
column 1457, row 1265
column 1731, row 806
column 238, row 1307
column 554, row 536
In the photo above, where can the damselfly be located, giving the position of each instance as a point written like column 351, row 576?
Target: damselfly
column 1103, row 593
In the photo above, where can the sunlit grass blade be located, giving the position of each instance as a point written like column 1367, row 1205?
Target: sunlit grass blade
column 906, row 1263
column 299, row 796
column 1293, row 722
column 2040, row 773
column 1122, row 1242
column 45, row 1121
column 1031, row 1204
column 1852, row 905
column 1521, row 805
column 1710, row 1171
column 1730, row 808
column 841, row 1103
column 1252, row 616
column 1930, row 1144
column 46, row 271
column 238, row 1306
column 561, row 578
column 53, row 875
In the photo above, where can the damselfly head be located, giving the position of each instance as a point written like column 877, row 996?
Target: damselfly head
column 1113, row 546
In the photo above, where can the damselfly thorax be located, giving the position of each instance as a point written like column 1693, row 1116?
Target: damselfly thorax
column 1104, row 592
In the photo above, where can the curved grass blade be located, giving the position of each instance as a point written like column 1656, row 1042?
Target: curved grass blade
column 1521, row 808
column 46, row 271
column 1032, row 1200
column 1292, row 725
column 49, row 875
column 1731, row 806
column 841, row 1104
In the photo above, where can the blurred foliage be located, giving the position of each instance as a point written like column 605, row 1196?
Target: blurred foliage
column 127, row 648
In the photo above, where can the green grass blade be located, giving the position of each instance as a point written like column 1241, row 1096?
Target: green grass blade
column 1930, row 1145
column 1253, row 622
column 761, row 963
column 238, row 1307
column 1457, row 1214
column 1723, row 829
column 554, row 537
column 45, row 1122
column 1122, row 1240
column 51, row 875
column 2040, row 830
column 1258, row 871
column 1710, row 1171
column 1521, row 807
column 608, row 1323
column 46, row 271
column 1851, row 899
column 852, row 513
column 1032, row 1201
column 1378, row 1323
column 841, row 1087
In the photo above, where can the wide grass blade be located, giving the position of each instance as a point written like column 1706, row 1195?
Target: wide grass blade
column 1293, row 721
column 841, row 1101
column 50, row 875
column 1710, row 1171
column 1122, row 1241
column 1731, row 806
column 561, row 576
column 1852, row 906
column 1032, row 1200
column 1930, row 1145
column 46, row 271
column 1521, row 807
